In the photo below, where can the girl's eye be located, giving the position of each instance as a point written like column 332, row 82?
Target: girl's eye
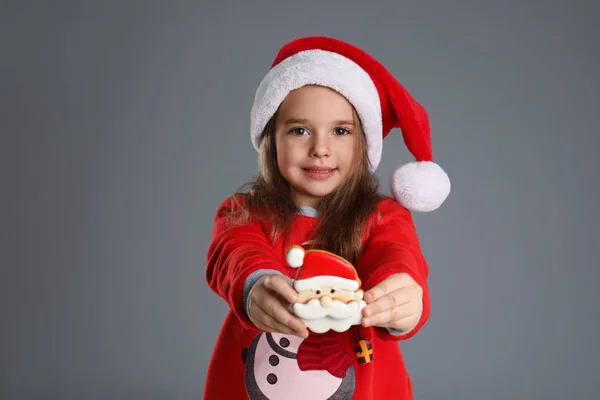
column 342, row 131
column 318, row 292
column 332, row 290
column 298, row 131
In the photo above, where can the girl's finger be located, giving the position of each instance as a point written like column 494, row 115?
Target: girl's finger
column 282, row 286
column 276, row 308
column 387, row 317
column 389, row 301
column 385, row 287
column 270, row 323
column 287, row 322
column 283, row 315
column 380, row 319
column 404, row 324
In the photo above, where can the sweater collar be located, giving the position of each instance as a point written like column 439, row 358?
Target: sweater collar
column 308, row 211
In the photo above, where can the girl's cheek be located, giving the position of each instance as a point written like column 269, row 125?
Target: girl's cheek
column 291, row 152
column 286, row 156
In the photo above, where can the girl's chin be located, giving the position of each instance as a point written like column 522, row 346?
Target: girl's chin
column 310, row 198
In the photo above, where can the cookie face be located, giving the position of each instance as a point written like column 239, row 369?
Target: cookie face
column 325, row 308
column 329, row 290
column 331, row 293
column 337, row 316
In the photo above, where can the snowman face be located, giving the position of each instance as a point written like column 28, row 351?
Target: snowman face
column 326, row 295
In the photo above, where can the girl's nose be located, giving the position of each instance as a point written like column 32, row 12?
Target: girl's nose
column 320, row 147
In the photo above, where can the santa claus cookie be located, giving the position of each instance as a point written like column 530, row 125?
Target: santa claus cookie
column 329, row 290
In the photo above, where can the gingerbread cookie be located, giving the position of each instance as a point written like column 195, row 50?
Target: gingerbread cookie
column 329, row 290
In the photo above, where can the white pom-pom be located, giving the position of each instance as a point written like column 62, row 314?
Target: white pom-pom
column 295, row 256
column 420, row 186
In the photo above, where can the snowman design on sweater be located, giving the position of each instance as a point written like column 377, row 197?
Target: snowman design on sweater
column 273, row 373
column 319, row 367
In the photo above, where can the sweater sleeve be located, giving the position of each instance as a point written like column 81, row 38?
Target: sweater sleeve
column 235, row 253
column 391, row 247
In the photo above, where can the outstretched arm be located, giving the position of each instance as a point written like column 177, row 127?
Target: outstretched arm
column 235, row 254
column 394, row 273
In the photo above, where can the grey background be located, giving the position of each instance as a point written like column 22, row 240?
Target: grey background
column 125, row 123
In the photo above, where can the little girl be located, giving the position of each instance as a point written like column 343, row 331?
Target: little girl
column 318, row 123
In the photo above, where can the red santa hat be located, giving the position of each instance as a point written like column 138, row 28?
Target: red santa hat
column 381, row 102
column 321, row 268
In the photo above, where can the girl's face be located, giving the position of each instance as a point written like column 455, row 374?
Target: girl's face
column 316, row 142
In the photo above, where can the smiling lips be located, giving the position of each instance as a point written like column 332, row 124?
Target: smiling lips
column 319, row 173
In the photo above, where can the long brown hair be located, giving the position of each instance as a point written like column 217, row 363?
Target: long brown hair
column 343, row 213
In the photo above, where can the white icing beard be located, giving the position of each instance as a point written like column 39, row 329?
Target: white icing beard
column 338, row 317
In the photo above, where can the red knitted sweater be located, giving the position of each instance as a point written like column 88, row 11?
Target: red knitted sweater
column 247, row 363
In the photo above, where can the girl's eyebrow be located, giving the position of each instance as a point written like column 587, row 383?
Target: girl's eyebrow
column 292, row 120
column 344, row 122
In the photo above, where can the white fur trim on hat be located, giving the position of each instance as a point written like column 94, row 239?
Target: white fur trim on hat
column 325, row 68
column 326, row 281
column 295, row 256
column 420, row 186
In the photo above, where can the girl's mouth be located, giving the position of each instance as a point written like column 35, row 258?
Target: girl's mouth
column 319, row 173
column 319, row 170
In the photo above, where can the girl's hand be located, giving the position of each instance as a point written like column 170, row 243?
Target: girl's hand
column 394, row 303
column 269, row 306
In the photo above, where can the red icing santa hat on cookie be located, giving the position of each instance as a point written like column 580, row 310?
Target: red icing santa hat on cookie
column 320, row 268
column 381, row 102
